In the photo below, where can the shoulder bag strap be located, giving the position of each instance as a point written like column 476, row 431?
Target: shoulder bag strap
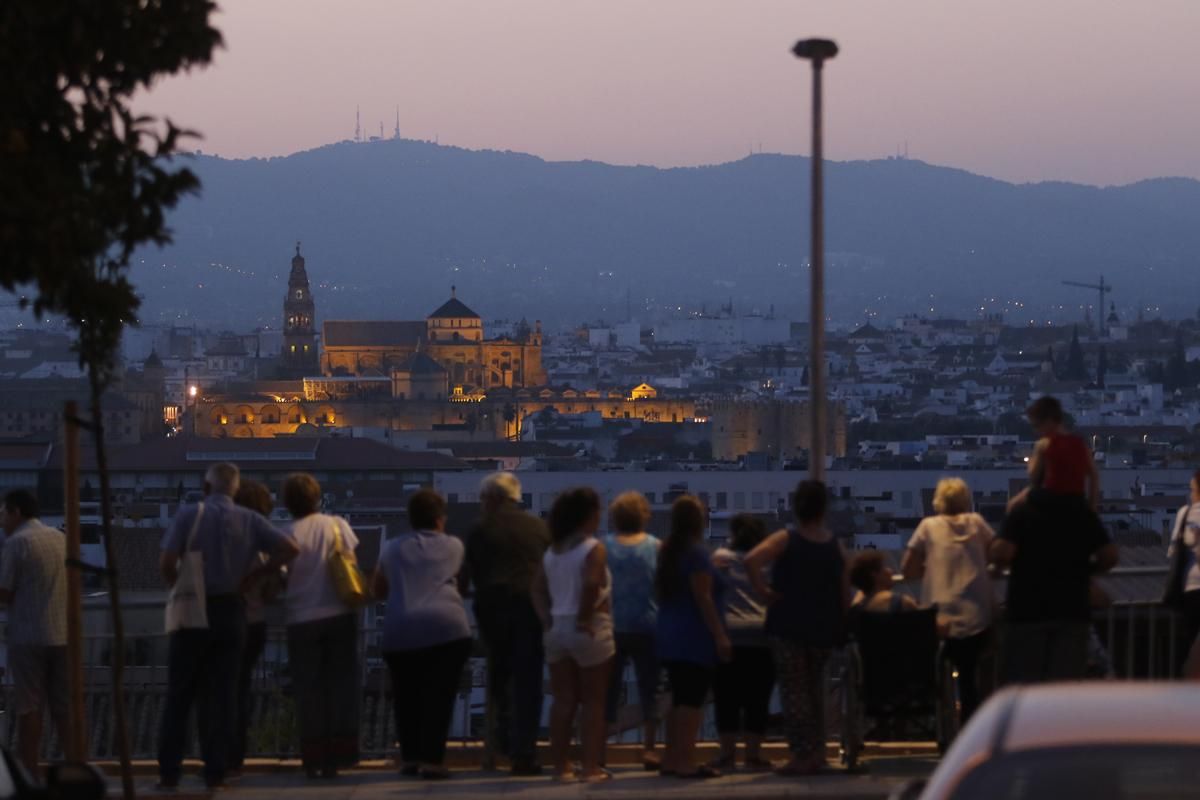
column 191, row 539
column 337, row 535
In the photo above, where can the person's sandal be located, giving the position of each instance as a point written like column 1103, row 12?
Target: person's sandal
column 759, row 765
column 600, row 777
column 651, row 762
column 434, row 773
column 703, row 773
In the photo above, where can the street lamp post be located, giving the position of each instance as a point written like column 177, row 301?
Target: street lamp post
column 817, row 51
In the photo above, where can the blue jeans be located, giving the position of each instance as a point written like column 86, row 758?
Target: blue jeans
column 638, row 648
column 512, row 636
column 203, row 663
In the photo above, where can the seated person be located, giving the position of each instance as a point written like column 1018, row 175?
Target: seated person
column 872, row 576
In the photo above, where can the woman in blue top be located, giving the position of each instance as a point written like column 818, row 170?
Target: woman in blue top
column 808, row 597
column 691, row 632
column 632, row 560
column 426, row 634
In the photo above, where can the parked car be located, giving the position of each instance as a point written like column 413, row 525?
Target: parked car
column 63, row 782
column 1102, row 741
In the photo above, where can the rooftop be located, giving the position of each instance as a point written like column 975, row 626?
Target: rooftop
column 372, row 333
column 453, row 309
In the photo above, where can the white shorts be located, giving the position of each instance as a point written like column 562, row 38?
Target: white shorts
column 564, row 640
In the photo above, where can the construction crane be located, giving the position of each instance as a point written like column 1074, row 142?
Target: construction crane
column 1101, row 287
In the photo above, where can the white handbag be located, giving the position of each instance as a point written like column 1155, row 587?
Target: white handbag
column 187, row 604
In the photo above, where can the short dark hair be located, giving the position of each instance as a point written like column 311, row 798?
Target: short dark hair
column 23, row 502
column 810, row 500
column 863, row 569
column 301, row 494
column 1045, row 409
column 255, row 496
column 745, row 532
column 571, row 510
column 425, row 508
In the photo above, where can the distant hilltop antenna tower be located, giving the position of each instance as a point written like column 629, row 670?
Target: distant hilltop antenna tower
column 396, row 132
column 357, row 124
column 381, row 129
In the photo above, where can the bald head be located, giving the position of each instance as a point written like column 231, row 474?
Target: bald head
column 223, row 478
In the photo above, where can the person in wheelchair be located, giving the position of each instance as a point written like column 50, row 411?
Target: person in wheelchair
column 874, row 580
column 897, row 681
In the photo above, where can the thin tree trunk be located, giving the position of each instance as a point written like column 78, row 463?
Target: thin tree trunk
column 120, row 723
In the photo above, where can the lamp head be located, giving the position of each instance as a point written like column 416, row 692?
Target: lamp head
column 816, row 50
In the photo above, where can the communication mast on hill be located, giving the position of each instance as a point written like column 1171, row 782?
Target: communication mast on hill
column 357, row 124
column 1102, row 288
column 396, row 132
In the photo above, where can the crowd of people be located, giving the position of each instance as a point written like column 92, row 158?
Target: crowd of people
column 764, row 611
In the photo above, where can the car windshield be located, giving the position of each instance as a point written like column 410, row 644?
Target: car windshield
column 1097, row 773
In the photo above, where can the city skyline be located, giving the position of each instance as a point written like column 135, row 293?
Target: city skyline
column 674, row 85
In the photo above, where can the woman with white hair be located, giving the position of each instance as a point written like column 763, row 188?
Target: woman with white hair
column 949, row 554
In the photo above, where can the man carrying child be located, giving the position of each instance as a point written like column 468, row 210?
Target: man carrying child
column 1052, row 542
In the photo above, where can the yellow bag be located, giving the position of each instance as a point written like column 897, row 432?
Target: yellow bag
column 347, row 578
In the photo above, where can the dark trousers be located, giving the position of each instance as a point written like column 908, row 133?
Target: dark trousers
column 640, row 649
column 801, row 674
column 1041, row 652
column 424, row 685
column 742, row 691
column 203, row 663
column 512, row 636
column 965, row 654
column 323, row 657
column 256, row 642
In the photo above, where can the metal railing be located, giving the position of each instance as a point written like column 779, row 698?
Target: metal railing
column 1141, row 640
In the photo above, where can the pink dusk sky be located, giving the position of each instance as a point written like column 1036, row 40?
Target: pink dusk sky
column 1083, row 90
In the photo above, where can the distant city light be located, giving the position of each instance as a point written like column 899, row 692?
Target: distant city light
column 192, row 390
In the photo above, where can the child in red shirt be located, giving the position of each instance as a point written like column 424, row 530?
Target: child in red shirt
column 1062, row 462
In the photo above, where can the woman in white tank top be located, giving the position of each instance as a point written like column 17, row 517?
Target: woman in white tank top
column 571, row 595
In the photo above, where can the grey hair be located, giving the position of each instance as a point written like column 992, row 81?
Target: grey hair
column 500, row 486
column 223, row 478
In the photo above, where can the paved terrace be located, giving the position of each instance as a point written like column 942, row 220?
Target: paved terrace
column 885, row 768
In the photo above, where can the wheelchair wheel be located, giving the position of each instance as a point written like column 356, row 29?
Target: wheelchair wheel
column 852, row 728
column 947, row 706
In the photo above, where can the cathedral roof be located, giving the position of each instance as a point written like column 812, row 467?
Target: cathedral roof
column 420, row 364
column 454, row 309
column 372, row 333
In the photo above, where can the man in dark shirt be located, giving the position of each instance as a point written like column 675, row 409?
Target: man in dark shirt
column 1052, row 544
column 504, row 551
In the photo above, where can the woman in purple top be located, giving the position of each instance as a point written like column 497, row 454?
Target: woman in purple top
column 426, row 634
column 691, row 633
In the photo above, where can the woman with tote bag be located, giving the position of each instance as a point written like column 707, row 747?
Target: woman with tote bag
column 322, row 630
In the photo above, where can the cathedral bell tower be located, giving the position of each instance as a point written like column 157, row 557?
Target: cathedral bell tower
column 299, row 335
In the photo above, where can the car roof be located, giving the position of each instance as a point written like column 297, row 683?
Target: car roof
column 1103, row 713
column 1071, row 715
